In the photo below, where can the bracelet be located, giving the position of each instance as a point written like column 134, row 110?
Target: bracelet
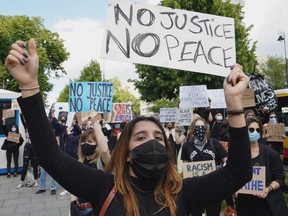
column 27, row 89
column 270, row 188
column 235, row 112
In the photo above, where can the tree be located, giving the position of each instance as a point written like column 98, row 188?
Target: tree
column 158, row 104
column 90, row 73
column 51, row 49
column 274, row 71
column 165, row 82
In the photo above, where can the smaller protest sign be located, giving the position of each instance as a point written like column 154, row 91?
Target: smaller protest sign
column 248, row 98
column 199, row 168
column 258, row 182
column 8, row 113
column 193, row 96
column 14, row 104
column 275, row 131
column 184, row 117
column 13, row 137
column 217, row 98
column 168, row 115
column 122, row 112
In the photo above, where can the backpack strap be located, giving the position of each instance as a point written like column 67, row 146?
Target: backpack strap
column 108, row 199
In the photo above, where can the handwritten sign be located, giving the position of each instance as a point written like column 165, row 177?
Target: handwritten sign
column 184, row 117
column 193, row 96
column 199, row 168
column 168, row 114
column 258, row 182
column 122, row 112
column 276, row 131
column 248, row 98
column 173, row 38
column 217, row 98
column 14, row 104
column 13, row 137
column 86, row 96
column 8, row 113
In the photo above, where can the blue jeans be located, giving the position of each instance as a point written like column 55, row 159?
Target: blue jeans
column 42, row 180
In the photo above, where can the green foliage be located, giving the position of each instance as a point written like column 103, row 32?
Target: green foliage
column 156, row 82
column 90, row 73
column 51, row 49
column 163, row 103
column 274, row 71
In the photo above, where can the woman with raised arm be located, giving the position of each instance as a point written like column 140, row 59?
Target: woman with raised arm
column 141, row 165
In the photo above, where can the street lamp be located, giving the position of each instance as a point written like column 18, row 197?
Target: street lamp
column 282, row 37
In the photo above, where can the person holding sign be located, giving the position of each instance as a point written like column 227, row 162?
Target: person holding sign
column 273, row 136
column 141, row 172
column 12, row 144
column 268, row 199
column 200, row 148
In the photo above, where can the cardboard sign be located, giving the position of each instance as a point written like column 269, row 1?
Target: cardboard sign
column 258, row 182
column 193, row 96
column 276, row 132
column 122, row 112
column 168, row 115
column 217, row 98
column 86, row 96
column 181, row 39
column 8, row 113
column 199, row 168
column 14, row 104
column 248, row 98
column 184, row 117
column 13, row 137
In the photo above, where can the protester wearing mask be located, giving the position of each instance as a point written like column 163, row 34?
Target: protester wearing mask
column 215, row 128
column 94, row 153
column 199, row 148
column 11, row 147
column 272, row 202
column 167, row 195
column 276, row 145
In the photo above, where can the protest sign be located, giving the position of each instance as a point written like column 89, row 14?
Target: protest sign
column 168, row 115
column 161, row 36
column 248, row 99
column 275, row 131
column 258, row 182
column 184, row 117
column 122, row 112
column 13, row 137
column 193, row 96
column 8, row 113
column 217, row 98
column 14, row 104
column 198, row 168
column 86, row 96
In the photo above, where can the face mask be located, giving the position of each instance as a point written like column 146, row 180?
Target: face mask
column 199, row 132
column 273, row 121
column 88, row 149
column 253, row 137
column 13, row 129
column 117, row 126
column 219, row 118
column 149, row 160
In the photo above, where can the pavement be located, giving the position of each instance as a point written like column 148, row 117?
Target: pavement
column 24, row 201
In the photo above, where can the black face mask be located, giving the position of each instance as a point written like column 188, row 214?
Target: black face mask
column 199, row 132
column 88, row 149
column 149, row 160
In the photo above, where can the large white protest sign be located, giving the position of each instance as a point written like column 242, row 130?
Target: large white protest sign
column 86, row 96
column 184, row 117
column 193, row 96
column 217, row 98
column 173, row 38
column 258, row 182
column 168, row 114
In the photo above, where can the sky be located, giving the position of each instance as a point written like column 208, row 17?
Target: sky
column 81, row 24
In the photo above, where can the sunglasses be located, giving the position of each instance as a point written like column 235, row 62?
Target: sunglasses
column 251, row 130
